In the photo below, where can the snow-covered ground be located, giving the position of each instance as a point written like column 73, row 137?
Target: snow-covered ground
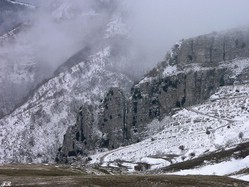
column 223, row 168
column 241, row 177
column 221, row 122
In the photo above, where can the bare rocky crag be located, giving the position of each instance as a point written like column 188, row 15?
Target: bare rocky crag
column 190, row 74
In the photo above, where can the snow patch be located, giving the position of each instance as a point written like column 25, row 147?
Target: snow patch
column 170, row 70
column 241, row 177
column 116, row 27
column 223, row 168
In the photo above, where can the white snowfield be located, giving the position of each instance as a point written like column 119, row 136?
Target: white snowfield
column 221, row 122
column 223, row 168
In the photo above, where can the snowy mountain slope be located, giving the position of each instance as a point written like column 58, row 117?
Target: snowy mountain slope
column 220, row 123
column 34, row 131
column 21, row 4
column 25, row 62
column 18, row 71
column 12, row 14
column 156, row 96
column 11, row 35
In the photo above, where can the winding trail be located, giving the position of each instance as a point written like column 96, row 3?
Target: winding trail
column 102, row 158
column 230, row 122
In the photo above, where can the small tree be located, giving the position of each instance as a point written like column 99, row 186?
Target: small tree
column 181, row 147
column 208, row 130
column 192, row 154
column 183, row 158
column 241, row 135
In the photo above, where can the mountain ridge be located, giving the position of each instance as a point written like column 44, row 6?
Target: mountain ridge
column 28, row 117
column 89, row 106
column 162, row 91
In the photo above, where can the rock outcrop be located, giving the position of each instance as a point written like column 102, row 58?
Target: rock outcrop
column 112, row 122
column 78, row 138
column 190, row 74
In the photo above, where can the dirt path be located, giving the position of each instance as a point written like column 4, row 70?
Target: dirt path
column 102, row 158
column 201, row 113
column 230, row 122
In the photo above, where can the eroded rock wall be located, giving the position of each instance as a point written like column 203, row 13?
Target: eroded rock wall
column 201, row 65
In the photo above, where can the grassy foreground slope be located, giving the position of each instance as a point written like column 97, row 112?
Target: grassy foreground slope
column 38, row 175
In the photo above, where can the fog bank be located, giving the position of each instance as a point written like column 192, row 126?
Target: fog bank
column 158, row 24
column 61, row 27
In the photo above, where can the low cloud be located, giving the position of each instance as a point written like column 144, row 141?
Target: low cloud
column 158, row 24
column 60, row 29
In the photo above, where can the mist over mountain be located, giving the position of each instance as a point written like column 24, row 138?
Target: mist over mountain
column 61, row 28
column 158, row 25
column 54, row 31
column 117, row 86
column 11, row 15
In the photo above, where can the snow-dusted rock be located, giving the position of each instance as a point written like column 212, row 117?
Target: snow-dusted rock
column 125, row 121
column 34, row 131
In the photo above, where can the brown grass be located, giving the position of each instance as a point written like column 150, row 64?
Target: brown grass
column 37, row 170
column 51, row 176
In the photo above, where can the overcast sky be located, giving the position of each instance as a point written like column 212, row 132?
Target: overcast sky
column 167, row 21
column 157, row 24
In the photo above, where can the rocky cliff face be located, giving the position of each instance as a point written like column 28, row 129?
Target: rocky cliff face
column 34, row 131
column 191, row 72
column 79, row 135
column 112, row 122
